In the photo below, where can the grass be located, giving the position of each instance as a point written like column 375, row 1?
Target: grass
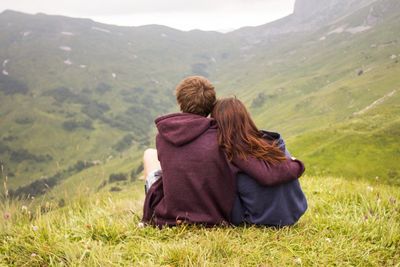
column 348, row 223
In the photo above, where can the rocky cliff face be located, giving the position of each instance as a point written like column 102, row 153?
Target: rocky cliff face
column 308, row 15
column 328, row 9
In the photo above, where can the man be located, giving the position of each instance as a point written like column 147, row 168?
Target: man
column 198, row 184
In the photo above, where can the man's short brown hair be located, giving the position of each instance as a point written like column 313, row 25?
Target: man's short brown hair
column 196, row 94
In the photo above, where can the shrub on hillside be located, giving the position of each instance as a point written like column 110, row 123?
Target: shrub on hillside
column 148, row 101
column 127, row 122
column 124, row 143
column 131, row 99
column 23, row 154
column 9, row 86
column 36, row 188
column 136, row 92
column 60, row 94
column 259, row 100
column 24, row 120
column 117, row 177
column 4, row 148
column 95, row 110
column 10, row 138
column 139, row 90
column 43, row 185
column 135, row 172
column 80, row 165
column 64, row 94
column 102, row 88
column 125, row 93
column 72, row 125
column 115, row 189
column 135, row 95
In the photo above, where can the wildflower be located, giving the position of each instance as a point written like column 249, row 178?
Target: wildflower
column 33, row 255
column 297, row 261
column 24, row 208
column 370, row 188
column 7, row 215
column 328, row 240
column 140, row 225
column 35, row 228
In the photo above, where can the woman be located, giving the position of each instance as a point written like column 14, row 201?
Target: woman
column 279, row 205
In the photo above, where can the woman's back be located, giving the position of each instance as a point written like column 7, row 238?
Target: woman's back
column 279, row 205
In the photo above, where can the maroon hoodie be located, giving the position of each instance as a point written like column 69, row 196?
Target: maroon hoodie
column 198, row 184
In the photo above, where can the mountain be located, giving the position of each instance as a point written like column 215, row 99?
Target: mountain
column 77, row 94
column 313, row 10
column 308, row 16
column 331, row 91
column 76, row 90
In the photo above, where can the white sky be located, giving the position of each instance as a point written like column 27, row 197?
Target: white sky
column 180, row 14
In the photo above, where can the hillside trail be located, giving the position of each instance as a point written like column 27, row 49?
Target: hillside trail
column 375, row 103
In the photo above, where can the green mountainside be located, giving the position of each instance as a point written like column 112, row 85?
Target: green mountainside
column 75, row 93
column 332, row 92
column 75, row 90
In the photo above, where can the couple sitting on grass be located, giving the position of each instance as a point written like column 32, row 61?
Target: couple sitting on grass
column 218, row 170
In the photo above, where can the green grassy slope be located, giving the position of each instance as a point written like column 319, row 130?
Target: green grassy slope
column 311, row 91
column 347, row 223
column 109, row 81
column 364, row 146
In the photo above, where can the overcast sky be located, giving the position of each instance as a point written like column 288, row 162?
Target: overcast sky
column 221, row 15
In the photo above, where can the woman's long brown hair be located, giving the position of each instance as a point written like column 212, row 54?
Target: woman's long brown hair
column 238, row 135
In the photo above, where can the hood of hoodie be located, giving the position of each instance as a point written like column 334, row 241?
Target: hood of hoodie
column 182, row 128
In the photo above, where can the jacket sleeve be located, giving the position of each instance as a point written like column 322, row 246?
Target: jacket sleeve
column 153, row 197
column 267, row 174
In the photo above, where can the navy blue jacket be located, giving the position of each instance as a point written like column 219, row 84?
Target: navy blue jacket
column 280, row 205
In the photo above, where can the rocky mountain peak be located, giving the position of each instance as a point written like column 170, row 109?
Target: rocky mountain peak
column 329, row 8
